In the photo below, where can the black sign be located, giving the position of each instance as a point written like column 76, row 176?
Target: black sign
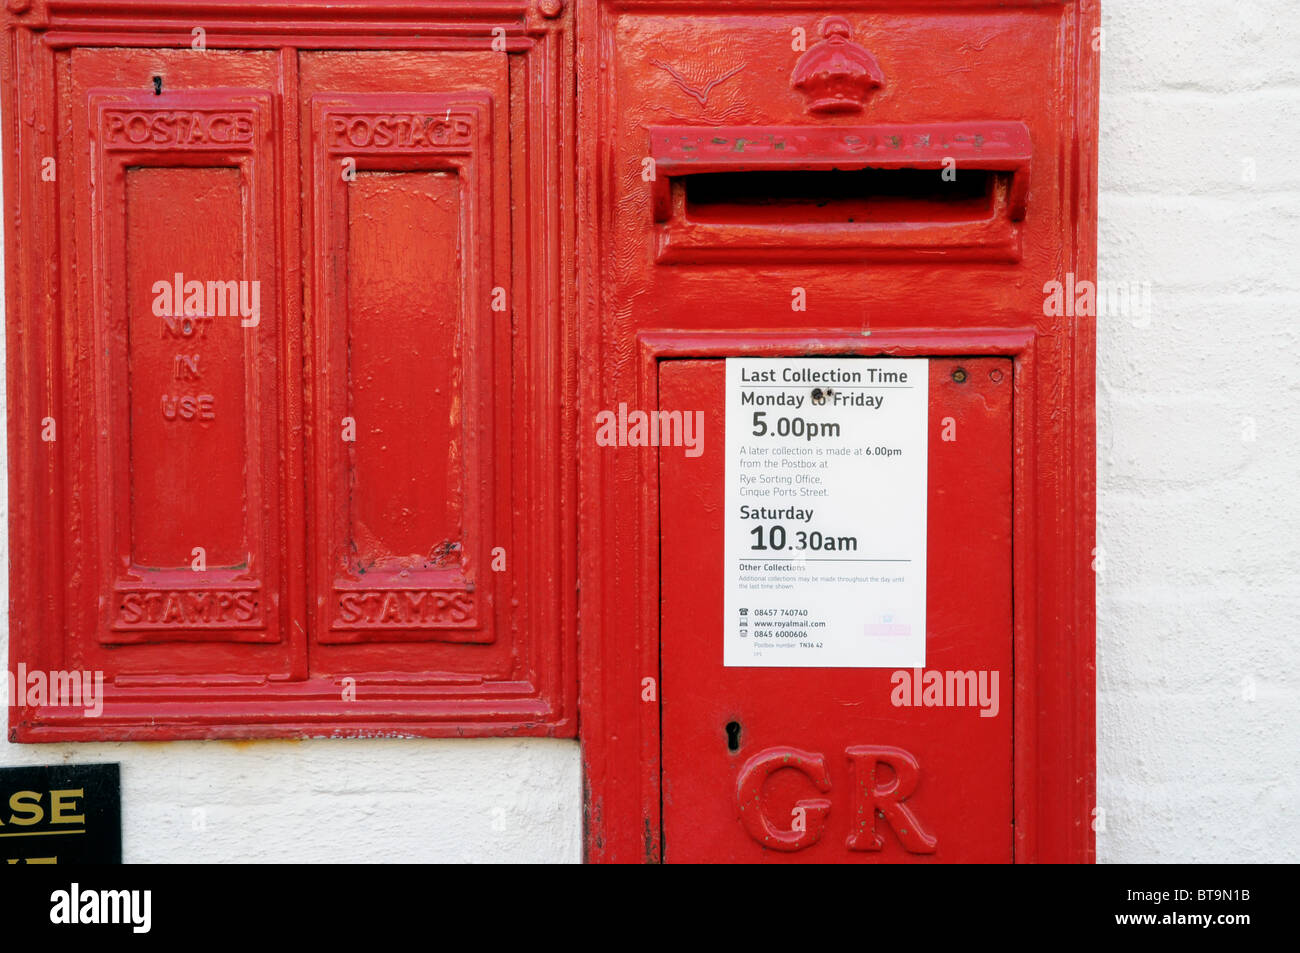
column 61, row 814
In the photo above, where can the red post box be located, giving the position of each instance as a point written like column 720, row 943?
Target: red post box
column 289, row 375
column 851, row 618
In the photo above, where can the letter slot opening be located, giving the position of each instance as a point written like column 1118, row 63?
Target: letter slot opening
column 841, row 196
column 745, row 194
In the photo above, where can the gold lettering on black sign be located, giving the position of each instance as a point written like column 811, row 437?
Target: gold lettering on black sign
column 42, row 813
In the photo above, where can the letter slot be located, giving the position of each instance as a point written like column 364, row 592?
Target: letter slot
column 954, row 191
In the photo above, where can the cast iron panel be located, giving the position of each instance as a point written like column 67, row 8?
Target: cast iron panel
column 845, row 764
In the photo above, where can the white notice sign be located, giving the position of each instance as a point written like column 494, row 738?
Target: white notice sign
column 825, row 512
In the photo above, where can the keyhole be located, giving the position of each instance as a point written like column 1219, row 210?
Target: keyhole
column 157, row 85
column 733, row 736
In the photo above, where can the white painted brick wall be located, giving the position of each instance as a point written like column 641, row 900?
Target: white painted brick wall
column 1199, row 600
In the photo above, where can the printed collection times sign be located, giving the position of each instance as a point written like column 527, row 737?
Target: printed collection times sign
column 826, row 512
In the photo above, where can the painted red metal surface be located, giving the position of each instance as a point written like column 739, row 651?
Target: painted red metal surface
column 959, row 791
column 700, row 268
column 334, row 502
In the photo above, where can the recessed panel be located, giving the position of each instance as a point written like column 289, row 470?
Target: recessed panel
column 403, row 200
column 405, row 370
column 181, row 318
column 186, row 367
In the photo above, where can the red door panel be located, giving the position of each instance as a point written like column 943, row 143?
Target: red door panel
column 829, row 765
column 408, row 180
column 175, row 439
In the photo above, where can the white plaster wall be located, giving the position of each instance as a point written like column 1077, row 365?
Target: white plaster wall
column 1198, row 596
column 1199, row 434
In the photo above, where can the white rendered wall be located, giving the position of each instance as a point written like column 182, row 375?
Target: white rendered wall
column 1198, row 416
column 1198, row 594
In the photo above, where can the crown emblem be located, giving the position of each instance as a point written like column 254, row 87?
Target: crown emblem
column 837, row 75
